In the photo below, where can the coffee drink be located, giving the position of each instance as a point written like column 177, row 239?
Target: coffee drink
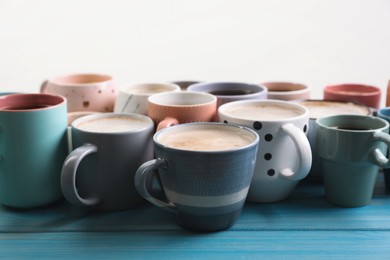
column 263, row 111
column 206, row 139
column 149, row 89
column 113, row 124
column 321, row 108
column 26, row 107
column 230, row 92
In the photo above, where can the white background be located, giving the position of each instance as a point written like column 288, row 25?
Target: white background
column 316, row 42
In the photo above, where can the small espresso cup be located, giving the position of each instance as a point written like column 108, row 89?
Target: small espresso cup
column 231, row 91
column 357, row 93
column 109, row 148
column 321, row 108
column 284, row 155
column 167, row 109
column 282, row 90
column 133, row 98
column 384, row 113
column 33, row 146
column 205, row 171
column 84, row 92
column 351, row 147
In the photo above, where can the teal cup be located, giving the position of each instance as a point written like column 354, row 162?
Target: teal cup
column 351, row 150
column 33, row 146
column 384, row 113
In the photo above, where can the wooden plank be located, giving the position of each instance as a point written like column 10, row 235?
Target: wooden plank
column 185, row 245
column 305, row 210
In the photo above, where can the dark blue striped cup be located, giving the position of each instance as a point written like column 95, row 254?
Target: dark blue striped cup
column 205, row 171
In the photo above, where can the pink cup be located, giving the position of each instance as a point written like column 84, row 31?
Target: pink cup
column 356, row 93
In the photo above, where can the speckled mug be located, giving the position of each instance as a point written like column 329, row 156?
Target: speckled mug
column 84, row 92
column 205, row 188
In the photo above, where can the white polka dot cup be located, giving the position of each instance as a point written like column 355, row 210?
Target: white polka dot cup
column 284, row 156
column 84, row 92
column 205, row 171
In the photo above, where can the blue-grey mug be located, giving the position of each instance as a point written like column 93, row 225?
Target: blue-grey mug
column 205, row 171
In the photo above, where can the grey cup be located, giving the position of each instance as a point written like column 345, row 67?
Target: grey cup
column 205, row 189
column 99, row 173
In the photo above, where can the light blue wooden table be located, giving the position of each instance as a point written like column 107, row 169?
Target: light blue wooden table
column 304, row 226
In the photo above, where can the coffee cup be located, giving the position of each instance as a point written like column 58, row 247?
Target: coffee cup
column 284, row 156
column 109, row 148
column 205, row 171
column 322, row 108
column 384, row 113
column 351, row 149
column 133, row 98
column 230, row 91
column 184, row 84
column 84, row 92
column 282, row 90
column 167, row 109
column 367, row 95
column 33, row 146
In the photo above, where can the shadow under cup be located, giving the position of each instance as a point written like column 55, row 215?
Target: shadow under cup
column 206, row 184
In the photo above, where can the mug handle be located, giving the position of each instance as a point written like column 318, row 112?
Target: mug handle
column 44, row 86
column 377, row 156
column 167, row 122
column 140, row 181
column 304, row 153
column 68, row 176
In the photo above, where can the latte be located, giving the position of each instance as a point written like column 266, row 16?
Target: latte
column 262, row 111
column 114, row 124
column 318, row 108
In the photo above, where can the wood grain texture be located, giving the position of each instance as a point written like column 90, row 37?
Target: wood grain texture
column 305, row 226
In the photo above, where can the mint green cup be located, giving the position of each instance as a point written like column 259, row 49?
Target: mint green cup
column 351, row 150
column 33, row 147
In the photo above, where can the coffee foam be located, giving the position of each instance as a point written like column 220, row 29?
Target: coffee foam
column 260, row 111
column 113, row 124
column 148, row 89
column 212, row 139
column 319, row 109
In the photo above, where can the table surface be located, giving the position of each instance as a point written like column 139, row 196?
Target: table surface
column 303, row 226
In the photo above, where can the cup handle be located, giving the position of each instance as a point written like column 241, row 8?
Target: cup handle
column 377, row 156
column 44, row 86
column 68, row 176
column 167, row 122
column 140, row 181
column 304, row 153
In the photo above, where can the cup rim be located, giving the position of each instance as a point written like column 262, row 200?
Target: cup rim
column 341, row 118
column 259, row 87
column 124, row 89
column 369, row 112
column 57, row 100
column 212, row 98
column 57, row 79
column 108, row 115
column 305, row 111
column 305, row 88
column 254, row 142
column 344, row 88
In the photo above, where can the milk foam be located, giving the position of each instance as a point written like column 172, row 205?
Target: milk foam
column 257, row 111
column 113, row 124
column 320, row 109
column 213, row 139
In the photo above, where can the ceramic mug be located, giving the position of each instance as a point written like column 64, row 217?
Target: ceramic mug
column 284, row 156
column 230, row 91
column 205, row 171
column 351, row 149
column 357, row 93
column 167, row 109
column 321, row 108
column 109, row 148
column 384, row 113
column 133, row 98
column 33, row 146
column 283, row 90
column 84, row 92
